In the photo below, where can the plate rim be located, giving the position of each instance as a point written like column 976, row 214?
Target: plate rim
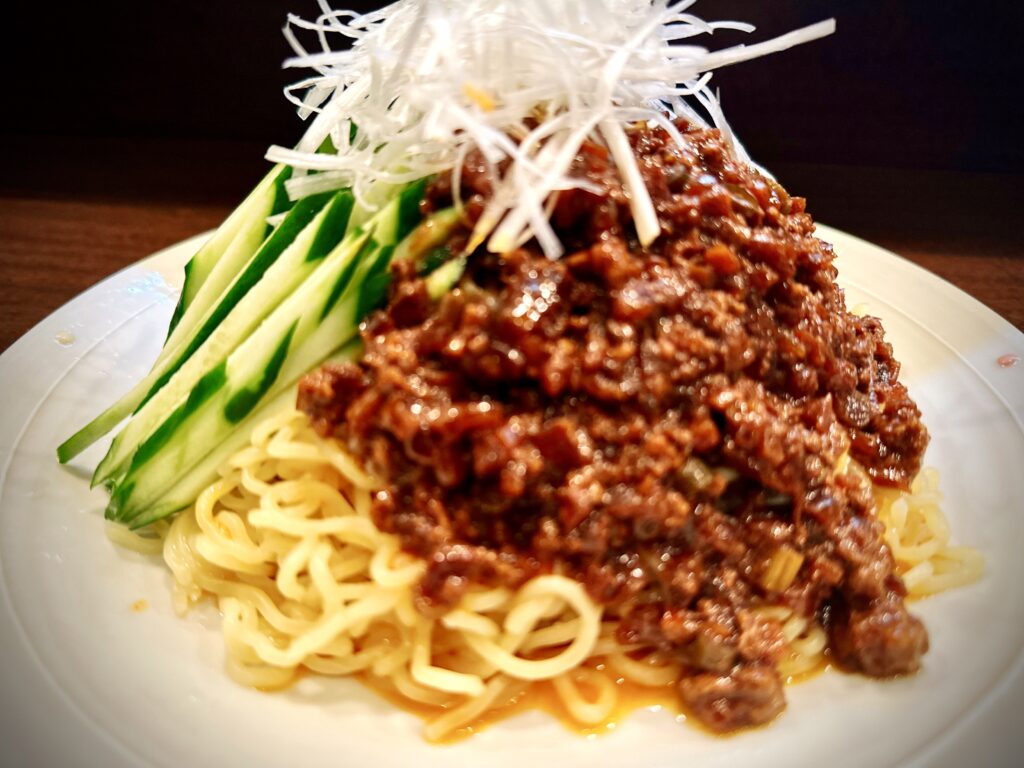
column 168, row 259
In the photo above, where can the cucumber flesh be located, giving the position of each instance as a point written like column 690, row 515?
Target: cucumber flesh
column 306, row 328
column 248, row 222
column 328, row 234
column 186, row 490
column 432, row 233
column 200, row 266
column 211, row 266
column 234, row 319
column 283, row 348
column 444, row 278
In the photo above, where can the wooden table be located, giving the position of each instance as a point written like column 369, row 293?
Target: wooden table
column 73, row 212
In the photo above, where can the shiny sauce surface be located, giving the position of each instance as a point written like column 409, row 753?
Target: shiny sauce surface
column 542, row 696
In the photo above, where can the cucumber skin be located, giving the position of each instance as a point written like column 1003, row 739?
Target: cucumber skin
column 229, row 231
column 185, row 492
column 345, row 278
column 238, row 407
column 334, row 228
column 300, row 216
column 247, row 398
column 179, row 308
column 376, row 282
column 189, row 288
column 371, row 264
column 333, row 221
column 211, row 383
column 178, row 427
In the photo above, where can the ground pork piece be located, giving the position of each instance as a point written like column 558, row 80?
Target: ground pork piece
column 881, row 640
column 749, row 695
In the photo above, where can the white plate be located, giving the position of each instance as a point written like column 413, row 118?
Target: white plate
column 86, row 680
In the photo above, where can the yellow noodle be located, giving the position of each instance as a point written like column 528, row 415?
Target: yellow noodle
column 652, row 670
column 918, row 535
column 583, row 709
column 285, row 543
column 497, row 688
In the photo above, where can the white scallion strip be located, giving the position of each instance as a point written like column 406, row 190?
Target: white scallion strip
column 526, row 82
column 644, row 216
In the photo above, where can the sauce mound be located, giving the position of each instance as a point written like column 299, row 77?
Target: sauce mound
column 664, row 424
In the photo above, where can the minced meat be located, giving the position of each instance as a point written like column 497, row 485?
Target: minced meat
column 659, row 422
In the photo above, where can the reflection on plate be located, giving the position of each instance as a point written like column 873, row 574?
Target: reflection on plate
column 98, row 670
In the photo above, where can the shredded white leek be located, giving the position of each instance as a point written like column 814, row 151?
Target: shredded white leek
column 407, row 91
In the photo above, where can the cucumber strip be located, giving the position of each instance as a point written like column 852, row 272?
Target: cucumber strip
column 247, row 222
column 328, row 234
column 234, row 241
column 288, row 344
column 312, row 322
column 185, row 491
column 444, row 278
column 381, row 194
column 419, row 245
column 241, row 315
column 432, row 233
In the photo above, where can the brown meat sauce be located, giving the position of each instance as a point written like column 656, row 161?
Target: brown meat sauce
column 657, row 422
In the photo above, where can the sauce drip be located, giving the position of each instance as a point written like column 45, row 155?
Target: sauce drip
column 1007, row 361
column 542, row 696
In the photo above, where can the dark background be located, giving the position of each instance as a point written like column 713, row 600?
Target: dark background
column 131, row 125
column 924, row 84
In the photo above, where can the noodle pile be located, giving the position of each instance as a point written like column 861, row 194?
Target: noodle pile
column 918, row 535
column 285, row 543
